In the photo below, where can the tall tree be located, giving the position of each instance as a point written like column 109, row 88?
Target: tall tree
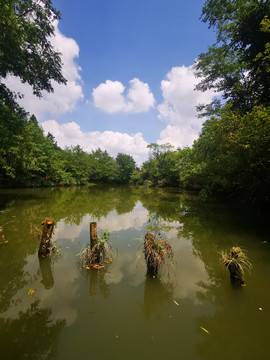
column 26, row 52
column 126, row 166
column 238, row 64
column 103, row 166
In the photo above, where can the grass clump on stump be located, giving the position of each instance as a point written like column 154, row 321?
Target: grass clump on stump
column 157, row 252
column 236, row 261
column 100, row 252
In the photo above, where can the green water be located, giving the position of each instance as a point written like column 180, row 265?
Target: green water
column 120, row 313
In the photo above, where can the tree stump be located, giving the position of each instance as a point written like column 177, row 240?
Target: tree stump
column 236, row 260
column 45, row 241
column 149, row 253
column 93, row 235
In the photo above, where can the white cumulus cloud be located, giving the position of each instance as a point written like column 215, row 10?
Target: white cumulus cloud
column 179, row 107
column 70, row 134
column 110, row 97
column 64, row 97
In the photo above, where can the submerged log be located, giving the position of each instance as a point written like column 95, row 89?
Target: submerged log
column 45, row 241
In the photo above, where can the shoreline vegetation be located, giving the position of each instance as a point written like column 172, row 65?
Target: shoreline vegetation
column 231, row 156
column 239, row 174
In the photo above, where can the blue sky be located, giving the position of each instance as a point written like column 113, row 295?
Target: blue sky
column 130, row 78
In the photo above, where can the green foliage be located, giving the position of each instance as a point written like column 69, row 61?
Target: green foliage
column 27, row 53
column 162, row 167
column 238, row 64
column 101, row 253
column 233, row 153
column 35, row 152
column 136, row 178
column 126, row 167
column 103, row 166
column 25, row 49
column 12, row 124
column 190, row 169
column 104, row 237
column 77, row 164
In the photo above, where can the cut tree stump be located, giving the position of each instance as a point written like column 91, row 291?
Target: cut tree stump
column 93, row 235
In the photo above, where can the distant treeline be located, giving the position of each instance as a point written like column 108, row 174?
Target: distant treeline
column 29, row 158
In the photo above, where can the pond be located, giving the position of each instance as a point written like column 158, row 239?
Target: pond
column 190, row 312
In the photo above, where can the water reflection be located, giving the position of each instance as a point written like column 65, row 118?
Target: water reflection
column 156, row 293
column 33, row 323
column 124, row 295
column 46, row 272
column 98, row 282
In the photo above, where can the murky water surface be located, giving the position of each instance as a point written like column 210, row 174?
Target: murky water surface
column 119, row 312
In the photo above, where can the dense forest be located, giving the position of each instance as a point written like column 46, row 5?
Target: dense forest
column 232, row 153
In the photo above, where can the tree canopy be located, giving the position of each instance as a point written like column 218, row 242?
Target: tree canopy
column 27, row 53
column 25, row 48
column 126, row 167
column 238, row 64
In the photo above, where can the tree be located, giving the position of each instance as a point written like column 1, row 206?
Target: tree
column 238, row 64
column 25, row 52
column 126, row 167
column 232, row 154
column 25, row 48
column 12, row 124
column 35, row 153
column 103, row 166
column 77, row 164
column 162, row 166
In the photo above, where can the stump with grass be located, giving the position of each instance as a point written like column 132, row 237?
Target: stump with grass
column 157, row 252
column 236, row 261
column 100, row 253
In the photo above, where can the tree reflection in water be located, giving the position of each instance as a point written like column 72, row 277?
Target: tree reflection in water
column 156, row 293
column 32, row 335
column 207, row 228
